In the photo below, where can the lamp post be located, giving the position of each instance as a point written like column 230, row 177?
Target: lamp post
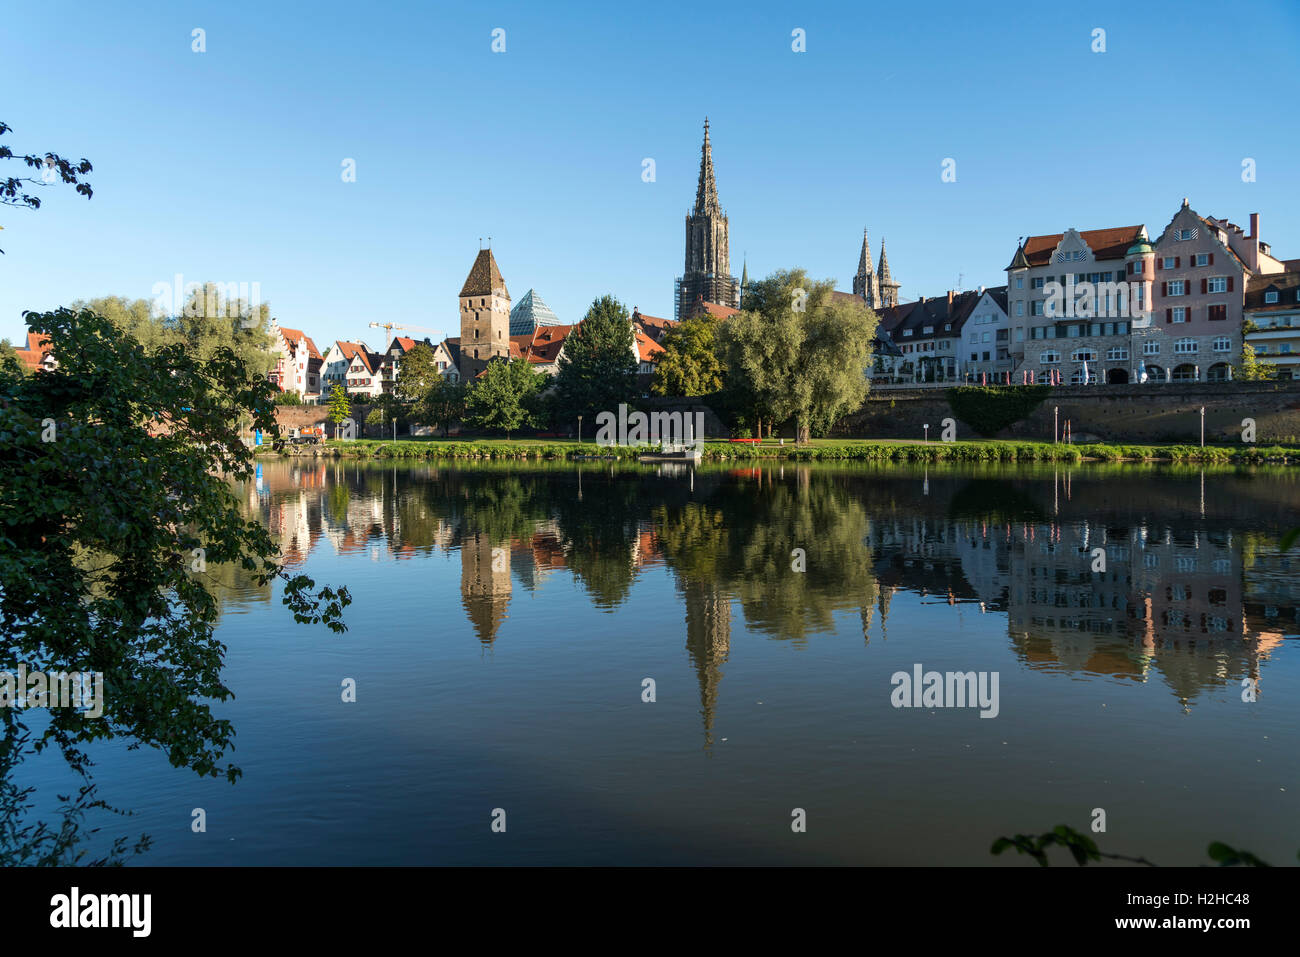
column 579, row 430
column 927, row 433
column 1202, row 426
column 1056, row 413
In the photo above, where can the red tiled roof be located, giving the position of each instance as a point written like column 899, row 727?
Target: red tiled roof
column 647, row 349
column 1110, row 243
column 719, row 311
column 38, row 347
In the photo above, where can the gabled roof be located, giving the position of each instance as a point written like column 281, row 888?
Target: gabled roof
column 647, row 350
column 484, row 277
column 656, row 327
column 1110, row 243
column 349, row 349
column 38, row 347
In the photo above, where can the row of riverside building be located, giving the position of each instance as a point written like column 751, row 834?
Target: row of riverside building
column 1108, row 306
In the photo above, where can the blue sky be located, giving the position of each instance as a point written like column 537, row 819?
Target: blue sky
column 226, row 165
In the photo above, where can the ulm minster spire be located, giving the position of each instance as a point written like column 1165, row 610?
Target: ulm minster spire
column 707, row 275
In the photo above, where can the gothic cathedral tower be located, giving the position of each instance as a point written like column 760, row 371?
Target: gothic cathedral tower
column 484, row 317
column 707, row 277
column 864, row 283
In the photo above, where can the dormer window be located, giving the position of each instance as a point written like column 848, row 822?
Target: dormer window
column 1271, row 295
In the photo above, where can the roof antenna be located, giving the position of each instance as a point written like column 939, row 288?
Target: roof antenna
column 489, row 242
column 480, row 244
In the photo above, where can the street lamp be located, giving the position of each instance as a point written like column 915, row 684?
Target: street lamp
column 927, row 433
column 1202, row 426
column 579, row 430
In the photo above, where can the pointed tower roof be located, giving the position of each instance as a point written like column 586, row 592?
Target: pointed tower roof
column 883, row 272
column 484, row 277
column 864, row 260
column 706, row 194
column 744, row 273
column 1019, row 262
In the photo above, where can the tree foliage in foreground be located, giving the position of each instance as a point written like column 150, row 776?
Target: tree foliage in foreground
column 597, row 367
column 116, row 470
column 689, row 364
column 798, row 354
column 47, row 168
column 505, row 396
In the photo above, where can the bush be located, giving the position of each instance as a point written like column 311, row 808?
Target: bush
column 288, row 398
column 990, row 409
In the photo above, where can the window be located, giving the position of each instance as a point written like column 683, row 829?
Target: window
column 1038, row 307
column 1020, row 308
column 1049, row 357
column 1180, row 314
column 1038, row 282
column 1020, row 282
column 986, row 357
column 1217, row 284
column 1116, row 354
column 1083, row 355
column 1270, row 296
column 972, row 357
column 1202, row 259
column 1222, row 344
column 1284, row 348
column 1218, row 313
column 907, row 332
column 974, row 337
column 1020, row 333
column 1151, row 348
column 927, row 330
column 1167, row 262
column 1177, row 287
column 986, row 337
column 1261, row 350
column 1185, row 347
column 1182, row 234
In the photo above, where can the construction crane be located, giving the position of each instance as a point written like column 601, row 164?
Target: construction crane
column 388, row 328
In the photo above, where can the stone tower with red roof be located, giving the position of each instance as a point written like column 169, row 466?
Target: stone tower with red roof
column 484, row 316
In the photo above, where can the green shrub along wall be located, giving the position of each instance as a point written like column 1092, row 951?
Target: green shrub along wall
column 989, row 410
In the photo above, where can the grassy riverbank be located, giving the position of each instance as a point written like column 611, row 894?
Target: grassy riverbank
column 865, row 450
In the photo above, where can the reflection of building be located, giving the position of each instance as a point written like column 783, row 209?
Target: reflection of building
column 708, row 641
column 484, row 583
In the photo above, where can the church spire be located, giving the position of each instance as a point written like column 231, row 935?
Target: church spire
column 884, row 264
column 885, row 282
column 864, row 261
column 706, row 194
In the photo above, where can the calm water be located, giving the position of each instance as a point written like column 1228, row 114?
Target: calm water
column 504, row 619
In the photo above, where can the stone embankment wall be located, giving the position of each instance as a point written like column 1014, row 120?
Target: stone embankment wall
column 1113, row 413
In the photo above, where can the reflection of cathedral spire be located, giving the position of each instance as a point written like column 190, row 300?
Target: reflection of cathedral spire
column 484, row 584
column 708, row 640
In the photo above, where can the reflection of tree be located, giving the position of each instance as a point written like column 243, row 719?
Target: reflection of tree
column 744, row 538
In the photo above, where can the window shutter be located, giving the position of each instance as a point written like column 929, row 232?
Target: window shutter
column 1205, row 286
column 1178, row 262
column 1164, row 289
column 1211, row 259
column 1169, row 315
column 1229, row 284
column 1157, row 264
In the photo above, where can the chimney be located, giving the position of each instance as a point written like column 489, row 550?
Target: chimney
column 1254, row 226
column 949, row 298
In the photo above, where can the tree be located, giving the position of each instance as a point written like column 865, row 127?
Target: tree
column 53, row 168
column 387, row 408
column 1250, row 369
column 442, row 405
column 11, row 366
column 797, row 352
column 689, row 364
column 340, row 407
column 504, row 396
column 597, row 367
column 433, row 398
column 116, row 470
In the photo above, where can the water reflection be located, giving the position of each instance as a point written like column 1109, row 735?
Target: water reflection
column 1194, row 592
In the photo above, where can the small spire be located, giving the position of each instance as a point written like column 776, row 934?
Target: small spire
column 883, row 272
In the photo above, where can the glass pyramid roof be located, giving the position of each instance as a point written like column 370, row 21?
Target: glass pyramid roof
column 529, row 313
